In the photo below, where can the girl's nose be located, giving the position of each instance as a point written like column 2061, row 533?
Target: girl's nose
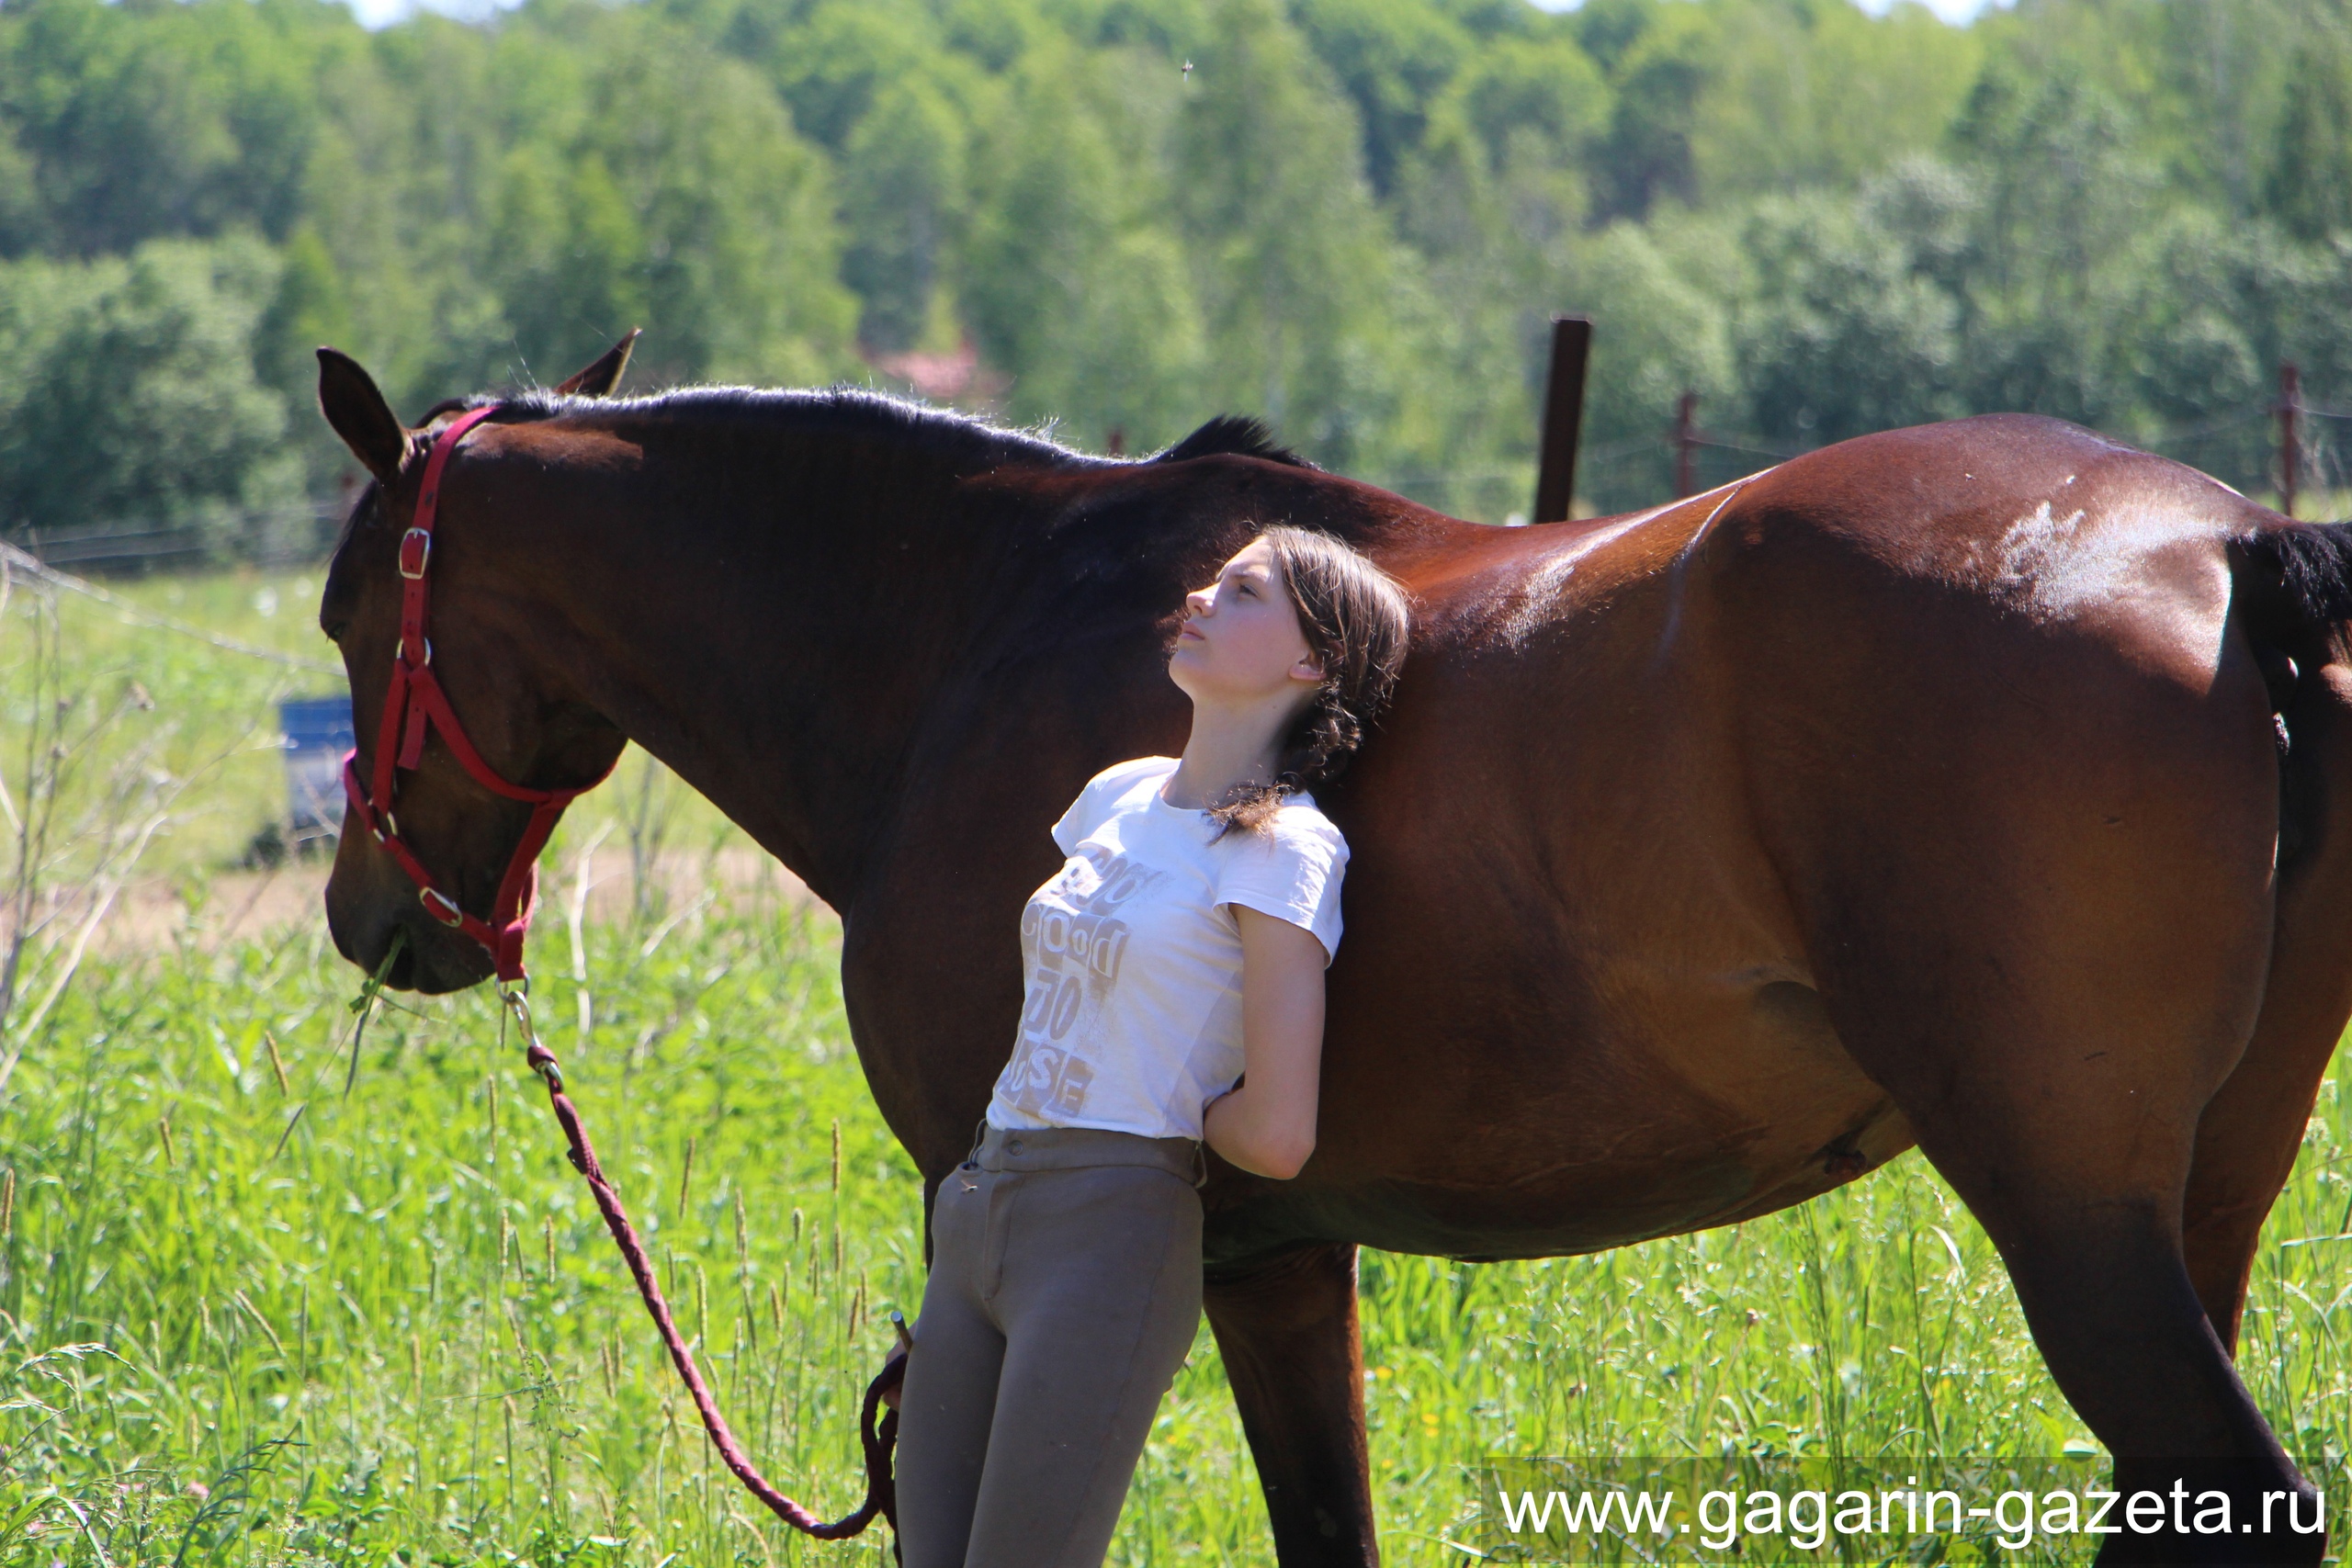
column 1198, row 601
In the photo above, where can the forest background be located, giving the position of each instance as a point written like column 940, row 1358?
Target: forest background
column 1350, row 217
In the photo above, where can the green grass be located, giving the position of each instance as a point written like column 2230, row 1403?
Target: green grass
column 397, row 1333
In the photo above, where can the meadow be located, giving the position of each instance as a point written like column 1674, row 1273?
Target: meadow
column 275, row 1289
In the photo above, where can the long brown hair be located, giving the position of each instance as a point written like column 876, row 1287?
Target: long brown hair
column 1356, row 620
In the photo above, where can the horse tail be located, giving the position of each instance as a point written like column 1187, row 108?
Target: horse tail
column 2292, row 597
column 2307, row 568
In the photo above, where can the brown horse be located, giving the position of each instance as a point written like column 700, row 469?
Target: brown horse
column 1970, row 785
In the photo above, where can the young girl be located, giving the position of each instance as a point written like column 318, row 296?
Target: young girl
column 1183, row 941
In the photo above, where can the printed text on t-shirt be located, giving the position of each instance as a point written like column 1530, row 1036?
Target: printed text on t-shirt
column 1074, row 943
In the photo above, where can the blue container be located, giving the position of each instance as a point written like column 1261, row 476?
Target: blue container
column 318, row 733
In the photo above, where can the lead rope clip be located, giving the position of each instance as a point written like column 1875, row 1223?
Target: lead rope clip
column 517, row 1001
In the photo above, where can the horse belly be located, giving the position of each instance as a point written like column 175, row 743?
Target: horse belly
column 1735, row 1100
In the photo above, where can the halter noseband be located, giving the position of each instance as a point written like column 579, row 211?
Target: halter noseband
column 415, row 699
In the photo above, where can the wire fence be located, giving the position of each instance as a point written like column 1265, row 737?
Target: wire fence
column 268, row 537
column 2243, row 450
column 22, row 563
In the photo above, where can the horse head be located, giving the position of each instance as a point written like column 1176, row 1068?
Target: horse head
column 430, row 846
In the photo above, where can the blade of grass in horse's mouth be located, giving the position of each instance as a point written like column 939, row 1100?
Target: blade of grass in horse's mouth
column 364, row 1004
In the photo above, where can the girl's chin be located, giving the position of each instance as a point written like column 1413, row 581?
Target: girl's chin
column 1224, row 696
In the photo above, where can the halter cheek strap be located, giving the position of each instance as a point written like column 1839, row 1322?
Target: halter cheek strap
column 413, row 700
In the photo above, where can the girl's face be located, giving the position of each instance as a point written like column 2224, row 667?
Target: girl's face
column 1240, row 640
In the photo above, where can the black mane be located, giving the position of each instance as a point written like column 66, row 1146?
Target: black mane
column 1237, row 434
column 956, row 435
column 962, row 439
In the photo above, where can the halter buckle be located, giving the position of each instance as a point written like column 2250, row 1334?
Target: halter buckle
column 416, row 553
column 441, row 907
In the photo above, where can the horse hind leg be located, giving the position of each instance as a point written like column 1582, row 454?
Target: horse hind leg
column 2078, row 1177
column 2054, row 988
column 2248, row 1136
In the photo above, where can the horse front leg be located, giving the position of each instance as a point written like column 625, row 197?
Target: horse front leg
column 1287, row 1327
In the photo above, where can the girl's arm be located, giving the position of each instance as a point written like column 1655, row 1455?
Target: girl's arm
column 1267, row 1125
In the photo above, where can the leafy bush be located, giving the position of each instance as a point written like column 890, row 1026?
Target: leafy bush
column 128, row 394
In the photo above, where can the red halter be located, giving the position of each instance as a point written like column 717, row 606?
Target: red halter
column 414, row 700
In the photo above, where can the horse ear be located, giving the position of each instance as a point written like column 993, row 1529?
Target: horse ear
column 600, row 379
column 347, row 396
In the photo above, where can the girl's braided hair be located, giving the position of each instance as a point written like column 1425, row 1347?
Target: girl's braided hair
column 1356, row 620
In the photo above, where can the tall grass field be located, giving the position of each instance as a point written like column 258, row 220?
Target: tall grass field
column 278, row 1290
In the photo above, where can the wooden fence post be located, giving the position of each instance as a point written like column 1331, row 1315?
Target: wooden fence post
column 1556, row 473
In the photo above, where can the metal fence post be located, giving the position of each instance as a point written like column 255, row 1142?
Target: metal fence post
column 2290, row 454
column 1686, row 445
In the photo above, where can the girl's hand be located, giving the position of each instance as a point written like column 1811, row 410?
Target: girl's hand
column 1267, row 1124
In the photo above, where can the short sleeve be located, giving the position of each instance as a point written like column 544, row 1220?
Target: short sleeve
column 1079, row 820
column 1292, row 871
column 1095, row 801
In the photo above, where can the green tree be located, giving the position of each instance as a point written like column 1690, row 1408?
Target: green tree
column 2202, row 343
column 1661, row 60
column 1392, row 56
column 1807, row 94
column 2066, row 194
column 1075, row 288
column 1489, row 200
column 176, row 120
column 1295, row 265
column 2309, row 188
column 1842, row 336
column 831, row 66
column 739, row 256
column 903, row 174
column 1656, row 334
column 131, row 396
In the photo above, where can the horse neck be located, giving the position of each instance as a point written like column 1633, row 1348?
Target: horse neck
column 773, row 617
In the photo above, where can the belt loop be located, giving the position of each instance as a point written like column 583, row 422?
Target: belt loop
column 980, row 1136
column 1200, row 1163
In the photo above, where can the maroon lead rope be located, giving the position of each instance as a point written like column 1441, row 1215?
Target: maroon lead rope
column 881, row 1492
column 413, row 701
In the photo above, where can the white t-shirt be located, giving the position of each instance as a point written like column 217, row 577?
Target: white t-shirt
column 1131, row 1019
